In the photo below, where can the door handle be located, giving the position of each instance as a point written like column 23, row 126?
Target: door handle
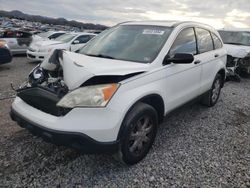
column 216, row 55
column 197, row 62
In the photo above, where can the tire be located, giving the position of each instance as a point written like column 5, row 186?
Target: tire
column 140, row 127
column 212, row 96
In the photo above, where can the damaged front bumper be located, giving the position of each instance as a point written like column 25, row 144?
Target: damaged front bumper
column 73, row 140
column 42, row 99
column 91, row 122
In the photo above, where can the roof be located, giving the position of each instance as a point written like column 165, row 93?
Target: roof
column 161, row 23
column 167, row 23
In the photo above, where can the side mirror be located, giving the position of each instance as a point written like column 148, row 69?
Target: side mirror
column 76, row 42
column 179, row 58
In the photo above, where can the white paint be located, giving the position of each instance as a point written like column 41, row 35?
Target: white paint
column 175, row 83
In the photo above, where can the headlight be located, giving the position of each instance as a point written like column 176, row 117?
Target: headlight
column 89, row 96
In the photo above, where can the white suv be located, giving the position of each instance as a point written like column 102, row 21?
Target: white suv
column 111, row 96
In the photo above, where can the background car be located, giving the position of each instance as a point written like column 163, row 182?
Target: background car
column 71, row 41
column 5, row 54
column 237, row 43
column 17, row 41
column 46, row 36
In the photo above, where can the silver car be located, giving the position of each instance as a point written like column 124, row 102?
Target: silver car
column 17, row 41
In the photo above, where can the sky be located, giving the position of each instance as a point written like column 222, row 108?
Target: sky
column 218, row 13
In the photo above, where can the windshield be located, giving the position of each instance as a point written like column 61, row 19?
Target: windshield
column 65, row 38
column 236, row 37
column 138, row 43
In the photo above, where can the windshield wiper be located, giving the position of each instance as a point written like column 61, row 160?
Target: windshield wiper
column 100, row 55
column 235, row 43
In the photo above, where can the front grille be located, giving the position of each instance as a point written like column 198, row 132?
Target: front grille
column 42, row 99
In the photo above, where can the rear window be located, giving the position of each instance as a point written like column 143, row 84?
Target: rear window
column 204, row 40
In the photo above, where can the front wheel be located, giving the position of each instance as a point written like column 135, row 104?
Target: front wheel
column 211, row 98
column 138, row 135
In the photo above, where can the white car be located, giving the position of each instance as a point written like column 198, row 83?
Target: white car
column 112, row 95
column 47, row 35
column 69, row 41
column 237, row 43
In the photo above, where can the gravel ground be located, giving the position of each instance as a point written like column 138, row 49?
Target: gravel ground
column 195, row 147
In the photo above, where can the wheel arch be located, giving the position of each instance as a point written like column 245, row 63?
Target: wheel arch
column 222, row 72
column 154, row 100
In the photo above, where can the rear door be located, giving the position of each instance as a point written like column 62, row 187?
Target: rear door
column 182, row 80
column 208, row 56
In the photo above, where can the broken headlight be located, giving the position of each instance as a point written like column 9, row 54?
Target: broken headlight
column 89, row 96
column 37, row 75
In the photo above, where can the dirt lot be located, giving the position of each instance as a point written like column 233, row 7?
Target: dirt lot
column 195, row 147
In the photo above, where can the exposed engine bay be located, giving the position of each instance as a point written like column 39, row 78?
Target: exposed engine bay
column 237, row 67
column 45, row 86
column 51, row 80
column 62, row 74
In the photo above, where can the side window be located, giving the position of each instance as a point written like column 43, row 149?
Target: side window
column 55, row 35
column 217, row 42
column 204, row 40
column 185, row 42
column 83, row 38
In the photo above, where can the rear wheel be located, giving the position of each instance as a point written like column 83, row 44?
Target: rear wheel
column 140, row 126
column 211, row 98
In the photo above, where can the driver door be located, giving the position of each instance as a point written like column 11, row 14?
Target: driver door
column 183, row 81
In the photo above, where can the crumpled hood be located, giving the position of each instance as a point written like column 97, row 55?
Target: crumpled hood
column 238, row 51
column 78, row 68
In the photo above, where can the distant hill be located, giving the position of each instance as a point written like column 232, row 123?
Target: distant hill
column 47, row 20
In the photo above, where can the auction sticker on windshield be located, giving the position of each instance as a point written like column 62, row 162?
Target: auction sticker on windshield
column 153, row 32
